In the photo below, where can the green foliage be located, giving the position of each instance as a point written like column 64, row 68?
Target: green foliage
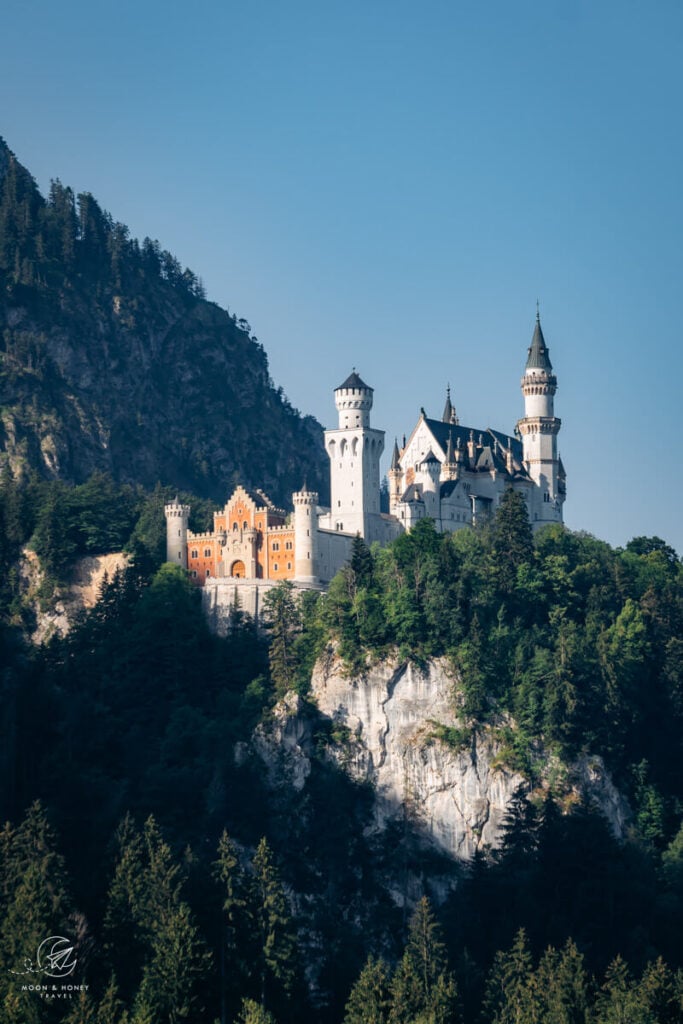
column 423, row 989
column 273, row 926
column 370, row 998
column 253, row 1013
column 282, row 617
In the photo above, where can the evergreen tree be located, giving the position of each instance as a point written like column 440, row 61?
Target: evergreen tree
column 283, row 621
column 562, row 987
column 370, row 998
column 423, row 989
column 253, row 1013
column 37, row 906
column 234, row 895
column 510, row 996
column 273, row 924
column 513, row 544
column 619, row 1000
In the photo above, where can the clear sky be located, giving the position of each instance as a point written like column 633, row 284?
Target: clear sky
column 391, row 185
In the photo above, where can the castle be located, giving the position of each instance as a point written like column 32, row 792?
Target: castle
column 452, row 474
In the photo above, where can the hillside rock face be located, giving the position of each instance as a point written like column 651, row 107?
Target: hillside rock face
column 111, row 360
column 80, row 595
column 456, row 798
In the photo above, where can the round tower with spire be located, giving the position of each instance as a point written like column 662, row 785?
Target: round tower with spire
column 177, row 519
column 539, row 429
column 354, row 449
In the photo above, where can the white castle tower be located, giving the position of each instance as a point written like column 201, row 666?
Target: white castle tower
column 354, row 450
column 539, row 429
column 305, row 535
column 177, row 518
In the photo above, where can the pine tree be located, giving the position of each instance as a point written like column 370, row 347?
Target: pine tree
column 563, row 987
column 111, row 1009
column 283, row 621
column 252, row 1013
column 619, row 1000
column 513, row 543
column 361, row 561
column 34, row 881
column 233, row 890
column 369, row 1001
column 274, row 931
column 423, row 989
column 510, row 996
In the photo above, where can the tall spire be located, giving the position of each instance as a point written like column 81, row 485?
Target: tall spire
column 448, row 408
column 539, row 356
column 449, row 413
column 395, row 456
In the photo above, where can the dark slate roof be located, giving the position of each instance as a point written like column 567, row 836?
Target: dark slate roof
column 354, row 381
column 448, row 407
column 430, row 457
column 396, row 455
column 447, row 488
column 539, row 357
column 441, row 432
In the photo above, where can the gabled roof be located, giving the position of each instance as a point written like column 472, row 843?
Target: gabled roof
column 497, row 441
column 539, row 357
column 354, row 381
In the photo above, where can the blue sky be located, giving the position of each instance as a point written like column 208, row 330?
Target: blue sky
column 391, row 186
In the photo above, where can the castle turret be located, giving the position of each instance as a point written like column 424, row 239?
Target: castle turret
column 449, row 414
column 177, row 518
column 449, row 468
column 539, row 429
column 430, row 473
column 354, row 449
column 305, row 536
column 395, row 476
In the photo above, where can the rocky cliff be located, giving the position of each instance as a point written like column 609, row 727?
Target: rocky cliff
column 386, row 729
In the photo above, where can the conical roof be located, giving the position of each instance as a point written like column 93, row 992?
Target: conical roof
column 539, row 357
column 395, row 464
column 448, row 408
column 354, row 381
column 430, row 457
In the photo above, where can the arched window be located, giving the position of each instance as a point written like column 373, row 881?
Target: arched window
column 235, row 527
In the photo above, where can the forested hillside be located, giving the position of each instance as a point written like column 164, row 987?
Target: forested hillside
column 112, row 361
column 198, row 887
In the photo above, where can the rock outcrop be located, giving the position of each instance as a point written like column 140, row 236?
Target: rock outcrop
column 397, row 728
column 81, row 594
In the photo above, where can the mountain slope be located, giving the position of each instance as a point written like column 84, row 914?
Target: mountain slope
column 111, row 359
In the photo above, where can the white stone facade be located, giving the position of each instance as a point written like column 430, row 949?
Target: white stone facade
column 449, row 473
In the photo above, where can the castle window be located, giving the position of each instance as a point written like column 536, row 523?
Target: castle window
column 207, row 552
column 276, row 546
column 245, row 525
column 288, row 545
column 208, row 572
column 275, row 566
column 194, row 574
column 289, row 565
column 194, row 554
column 235, row 527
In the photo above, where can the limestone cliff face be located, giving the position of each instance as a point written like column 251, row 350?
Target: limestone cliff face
column 80, row 595
column 388, row 723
